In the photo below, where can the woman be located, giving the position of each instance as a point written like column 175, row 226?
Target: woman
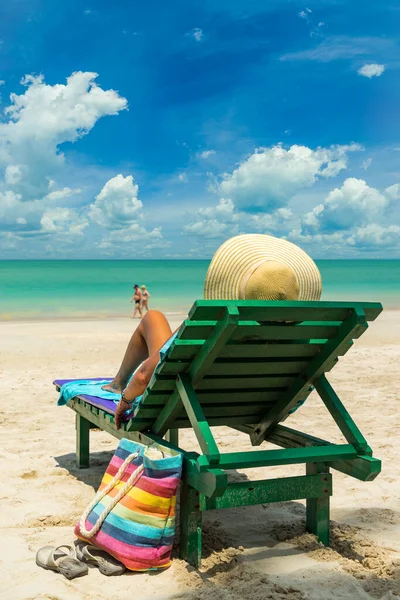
column 137, row 297
column 145, row 298
column 152, row 335
column 246, row 267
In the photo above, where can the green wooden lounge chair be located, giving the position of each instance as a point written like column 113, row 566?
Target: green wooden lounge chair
column 246, row 365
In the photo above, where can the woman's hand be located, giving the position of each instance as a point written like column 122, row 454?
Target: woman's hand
column 122, row 408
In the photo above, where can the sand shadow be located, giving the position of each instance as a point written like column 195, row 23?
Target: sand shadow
column 94, row 473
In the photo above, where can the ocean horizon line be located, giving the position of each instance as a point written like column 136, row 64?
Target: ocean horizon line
column 358, row 259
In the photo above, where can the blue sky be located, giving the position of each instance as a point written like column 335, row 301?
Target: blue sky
column 159, row 129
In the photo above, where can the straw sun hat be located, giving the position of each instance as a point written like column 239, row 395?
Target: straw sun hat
column 261, row 267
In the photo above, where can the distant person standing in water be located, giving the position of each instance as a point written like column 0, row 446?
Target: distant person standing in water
column 137, row 297
column 145, row 297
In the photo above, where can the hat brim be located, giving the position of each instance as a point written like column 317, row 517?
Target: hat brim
column 238, row 256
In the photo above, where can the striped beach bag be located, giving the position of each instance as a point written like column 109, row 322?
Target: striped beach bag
column 132, row 516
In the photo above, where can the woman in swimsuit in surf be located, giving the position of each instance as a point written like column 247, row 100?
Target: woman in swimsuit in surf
column 145, row 297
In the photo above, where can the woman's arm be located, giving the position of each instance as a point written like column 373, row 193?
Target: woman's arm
column 136, row 386
column 138, row 383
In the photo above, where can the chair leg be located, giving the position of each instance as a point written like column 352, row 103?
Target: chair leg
column 172, row 436
column 190, row 525
column 82, row 441
column 317, row 509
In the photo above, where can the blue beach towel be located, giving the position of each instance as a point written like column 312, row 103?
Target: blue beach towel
column 88, row 387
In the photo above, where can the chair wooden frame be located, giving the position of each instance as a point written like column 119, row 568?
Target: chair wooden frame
column 247, row 365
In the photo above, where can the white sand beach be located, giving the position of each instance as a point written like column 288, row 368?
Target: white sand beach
column 250, row 553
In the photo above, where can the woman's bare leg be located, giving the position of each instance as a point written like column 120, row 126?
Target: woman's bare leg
column 149, row 336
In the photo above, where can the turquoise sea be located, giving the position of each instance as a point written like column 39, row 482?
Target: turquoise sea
column 103, row 288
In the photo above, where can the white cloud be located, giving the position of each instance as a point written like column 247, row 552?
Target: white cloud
column 31, row 131
column 206, row 153
column 314, row 30
column 33, row 219
column 8, row 241
column 366, row 163
column 303, row 14
column 393, row 192
column 223, row 220
column 352, row 219
column 62, row 220
column 355, row 203
column 12, row 209
column 319, row 243
column 196, row 33
column 64, row 193
column 183, row 177
column 371, row 70
column 25, row 217
column 214, row 221
column 133, row 233
column 284, row 213
column 271, row 176
column 59, row 113
column 210, row 228
column 310, row 220
column 375, row 236
column 342, row 47
column 225, row 209
column 13, row 174
column 271, row 222
column 117, row 205
column 135, row 237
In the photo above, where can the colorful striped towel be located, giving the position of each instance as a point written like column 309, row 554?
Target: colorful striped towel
column 132, row 516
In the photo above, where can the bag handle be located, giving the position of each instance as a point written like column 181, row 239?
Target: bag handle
column 133, row 478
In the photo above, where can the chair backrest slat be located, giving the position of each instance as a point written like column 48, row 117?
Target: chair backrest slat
column 188, row 349
column 239, row 367
column 283, row 311
column 167, row 383
column 213, row 410
column 253, row 330
column 242, row 396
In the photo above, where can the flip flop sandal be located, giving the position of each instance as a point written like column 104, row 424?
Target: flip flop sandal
column 55, row 559
column 107, row 564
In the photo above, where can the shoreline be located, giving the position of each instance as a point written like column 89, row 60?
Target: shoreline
column 72, row 318
column 92, row 318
